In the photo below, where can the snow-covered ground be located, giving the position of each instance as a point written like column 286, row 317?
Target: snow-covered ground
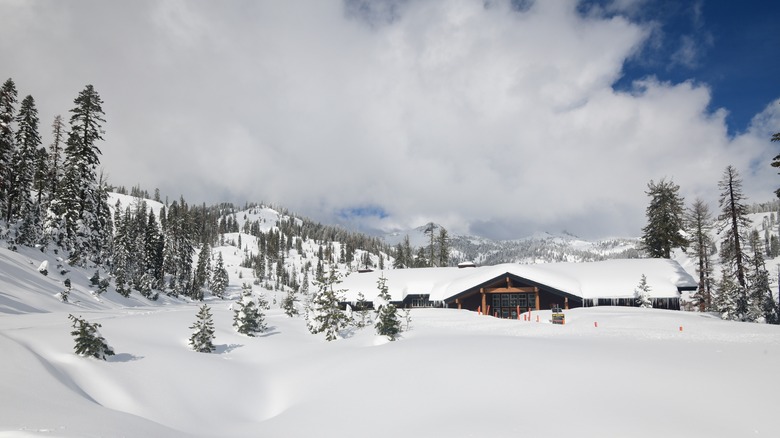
column 640, row 373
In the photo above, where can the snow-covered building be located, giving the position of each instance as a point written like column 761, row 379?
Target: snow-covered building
column 506, row 289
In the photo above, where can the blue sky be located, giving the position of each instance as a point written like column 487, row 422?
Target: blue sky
column 500, row 118
column 735, row 51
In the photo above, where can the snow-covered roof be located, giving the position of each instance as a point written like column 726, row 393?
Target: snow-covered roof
column 604, row 279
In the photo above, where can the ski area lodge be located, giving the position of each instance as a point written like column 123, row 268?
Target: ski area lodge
column 506, row 289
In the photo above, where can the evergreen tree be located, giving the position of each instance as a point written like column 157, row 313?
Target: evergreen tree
column 429, row 230
column 324, row 314
column 361, row 311
column 178, row 247
column 665, row 220
column 248, row 317
column 761, row 303
column 734, row 224
column 153, row 251
column 642, row 294
column 202, row 272
column 8, row 97
column 728, row 293
column 288, row 303
column 443, row 245
column 23, row 161
column 89, row 341
column 387, row 321
column 80, row 196
column 699, row 219
column 219, row 281
column 202, row 340
column 55, row 156
column 776, row 160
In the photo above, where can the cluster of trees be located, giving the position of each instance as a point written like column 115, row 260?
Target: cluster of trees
column 436, row 254
column 55, row 195
column 742, row 291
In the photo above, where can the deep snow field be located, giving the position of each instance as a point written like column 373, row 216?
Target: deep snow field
column 453, row 374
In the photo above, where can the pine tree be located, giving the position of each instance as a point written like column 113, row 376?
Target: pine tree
column 733, row 226
column 153, row 251
column 361, row 311
column 219, row 281
column 387, row 322
column 23, row 162
column 443, row 246
column 727, row 296
column 429, row 230
column 665, row 220
column 202, row 272
column 89, row 341
column 700, row 226
column 761, row 303
column 80, row 195
column 8, row 97
column 324, row 314
column 288, row 303
column 55, row 156
column 642, row 294
column 248, row 316
column 202, row 340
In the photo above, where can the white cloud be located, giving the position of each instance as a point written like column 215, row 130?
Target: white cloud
column 468, row 113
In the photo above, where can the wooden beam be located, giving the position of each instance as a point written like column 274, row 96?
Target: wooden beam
column 537, row 299
column 484, row 301
column 507, row 290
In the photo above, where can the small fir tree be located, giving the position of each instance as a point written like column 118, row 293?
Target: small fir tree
column 203, row 337
column 89, row 341
column 288, row 303
column 642, row 294
column 324, row 314
column 219, row 280
column 248, row 317
column 361, row 311
column 387, row 322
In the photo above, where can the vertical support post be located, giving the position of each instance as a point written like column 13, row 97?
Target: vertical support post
column 484, row 300
column 566, row 303
column 536, row 292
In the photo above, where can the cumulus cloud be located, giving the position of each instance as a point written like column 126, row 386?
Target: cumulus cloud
column 483, row 116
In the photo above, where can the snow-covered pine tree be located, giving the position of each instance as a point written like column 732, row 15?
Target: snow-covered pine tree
column 153, row 251
column 248, row 316
column 324, row 314
column 734, row 223
column 288, row 303
column 202, row 340
column 79, row 193
column 23, row 160
column 361, row 311
column 202, row 272
column 89, row 341
column 642, row 294
column 219, row 280
column 727, row 293
column 387, row 321
column 55, row 157
column 8, row 98
column 179, row 249
column 761, row 303
column 665, row 220
column 699, row 221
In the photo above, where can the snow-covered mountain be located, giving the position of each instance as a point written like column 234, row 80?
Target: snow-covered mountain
column 538, row 248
